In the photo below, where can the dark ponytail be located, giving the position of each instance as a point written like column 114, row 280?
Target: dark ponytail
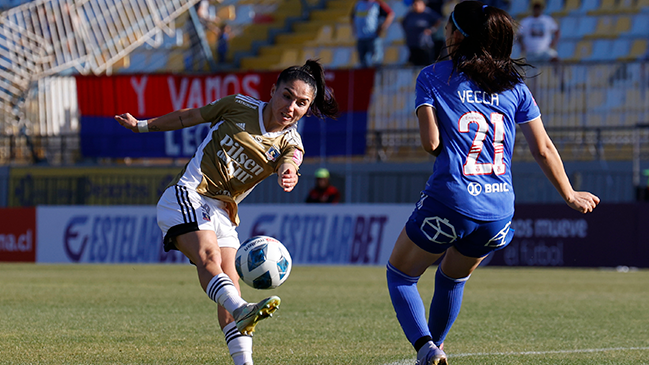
column 312, row 73
column 484, row 55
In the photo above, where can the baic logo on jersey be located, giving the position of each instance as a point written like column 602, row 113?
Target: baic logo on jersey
column 476, row 189
column 240, row 165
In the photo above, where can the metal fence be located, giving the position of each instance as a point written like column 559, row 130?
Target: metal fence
column 596, row 114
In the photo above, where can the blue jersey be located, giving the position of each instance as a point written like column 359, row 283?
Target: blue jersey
column 472, row 174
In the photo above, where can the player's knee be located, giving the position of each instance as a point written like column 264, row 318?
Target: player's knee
column 209, row 257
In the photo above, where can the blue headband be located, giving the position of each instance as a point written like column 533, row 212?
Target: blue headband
column 457, row 26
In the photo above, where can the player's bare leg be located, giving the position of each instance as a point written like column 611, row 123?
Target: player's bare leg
column 239, row 345
column 202, row 249
column 456, row 266
column 227, row 265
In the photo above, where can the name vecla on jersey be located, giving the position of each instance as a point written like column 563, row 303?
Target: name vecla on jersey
column 478, row 97
column 232, row 153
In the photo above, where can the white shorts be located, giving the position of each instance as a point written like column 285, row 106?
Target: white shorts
column 181, row 210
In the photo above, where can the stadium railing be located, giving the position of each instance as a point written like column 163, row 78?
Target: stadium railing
column 596, row 113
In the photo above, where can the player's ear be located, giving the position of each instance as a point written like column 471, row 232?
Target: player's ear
column 272, row 90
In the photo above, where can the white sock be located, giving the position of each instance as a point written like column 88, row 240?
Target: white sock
column 221, row 290
column 240, row 346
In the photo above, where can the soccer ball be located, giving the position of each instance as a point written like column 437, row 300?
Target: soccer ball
column 263, row 262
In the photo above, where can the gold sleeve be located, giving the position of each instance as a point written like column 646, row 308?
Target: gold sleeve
column 293, row 155
column 213, row 111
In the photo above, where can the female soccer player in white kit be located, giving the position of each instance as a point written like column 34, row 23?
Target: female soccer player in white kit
column 248, row 141
column 468, row 108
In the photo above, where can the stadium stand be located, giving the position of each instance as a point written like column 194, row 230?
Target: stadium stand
column 53, row 37
column 272, row 34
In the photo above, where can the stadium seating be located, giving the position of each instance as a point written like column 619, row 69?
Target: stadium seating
column 603, row 30
column 591, row 30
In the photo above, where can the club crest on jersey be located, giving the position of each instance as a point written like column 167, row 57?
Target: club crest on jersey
column 273, row 153
column 205, row 212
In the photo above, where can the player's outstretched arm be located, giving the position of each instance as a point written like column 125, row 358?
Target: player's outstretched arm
column 547, row 156
column 175, row 120
column 287, row 176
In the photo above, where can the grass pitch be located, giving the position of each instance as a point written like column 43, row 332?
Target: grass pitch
column 148, row 314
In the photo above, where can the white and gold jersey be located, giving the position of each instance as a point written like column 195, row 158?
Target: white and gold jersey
column 238, row 152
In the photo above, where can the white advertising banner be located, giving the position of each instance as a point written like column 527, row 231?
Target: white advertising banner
column 100, row 234
column 338, row 234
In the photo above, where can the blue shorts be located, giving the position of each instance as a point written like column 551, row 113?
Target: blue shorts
column 435, row 227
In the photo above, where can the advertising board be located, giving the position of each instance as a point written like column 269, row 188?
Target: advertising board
column 547, row 235
column 114, row 234
column 17, row 235
column 360, row 234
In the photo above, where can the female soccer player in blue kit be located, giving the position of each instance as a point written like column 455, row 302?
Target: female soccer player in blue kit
column 468, row 108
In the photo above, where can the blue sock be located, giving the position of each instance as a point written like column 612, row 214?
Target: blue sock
column 408, row 305
column 445, row 305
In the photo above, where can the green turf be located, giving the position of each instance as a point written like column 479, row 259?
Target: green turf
column 104, row 314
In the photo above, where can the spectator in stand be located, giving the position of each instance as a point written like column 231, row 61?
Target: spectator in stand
column 195, row 59
column 370, row 19
column 538, row 35
column 419, row 25
column 223, row 43
column 323, row 192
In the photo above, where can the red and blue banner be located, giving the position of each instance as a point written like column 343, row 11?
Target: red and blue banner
column 148, row 96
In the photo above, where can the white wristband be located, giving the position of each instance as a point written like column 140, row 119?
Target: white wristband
column 143, row 126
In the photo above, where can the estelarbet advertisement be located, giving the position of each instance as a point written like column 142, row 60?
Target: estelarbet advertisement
column 102, row 234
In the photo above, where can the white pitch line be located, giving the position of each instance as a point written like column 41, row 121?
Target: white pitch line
column 410, row 361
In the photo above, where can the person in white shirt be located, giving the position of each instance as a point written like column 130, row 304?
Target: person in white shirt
column 538, row 35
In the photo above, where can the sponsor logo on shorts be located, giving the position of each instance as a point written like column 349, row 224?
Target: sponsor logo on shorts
column 500, row 238
column 205, row 212
column 420, row 203
column 438, row 230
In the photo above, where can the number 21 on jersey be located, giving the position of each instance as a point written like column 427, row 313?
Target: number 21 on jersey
column 471, row 166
